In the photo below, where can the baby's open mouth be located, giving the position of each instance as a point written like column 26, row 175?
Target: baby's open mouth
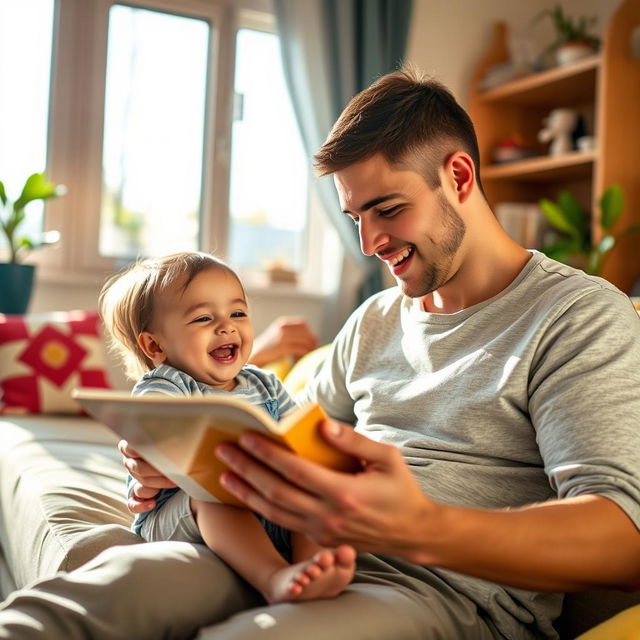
column 225, row 352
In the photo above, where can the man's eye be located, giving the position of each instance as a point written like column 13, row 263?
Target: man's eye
column 355, row 221
column 390, row 212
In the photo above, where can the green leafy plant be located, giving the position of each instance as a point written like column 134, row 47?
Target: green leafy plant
column 569, row 29
column 575, row 246
column 12, row 215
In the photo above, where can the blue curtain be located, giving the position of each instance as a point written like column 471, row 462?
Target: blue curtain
column 331, row 50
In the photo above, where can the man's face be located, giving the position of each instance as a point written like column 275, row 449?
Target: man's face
column 401, row 220
column 205, row 330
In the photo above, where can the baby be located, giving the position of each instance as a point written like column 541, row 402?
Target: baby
column 182, row 321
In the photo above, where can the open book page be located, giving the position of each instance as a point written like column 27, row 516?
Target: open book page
column 178, row 435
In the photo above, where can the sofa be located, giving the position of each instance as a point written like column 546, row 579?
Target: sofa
column 62, row 502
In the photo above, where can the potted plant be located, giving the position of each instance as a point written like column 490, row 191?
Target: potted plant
column 575, row 247
column 573, row 38
column 16, row 279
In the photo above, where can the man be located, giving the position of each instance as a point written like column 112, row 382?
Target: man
column 495, row 396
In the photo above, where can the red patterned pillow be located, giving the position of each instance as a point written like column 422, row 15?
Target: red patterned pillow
column 43, row 357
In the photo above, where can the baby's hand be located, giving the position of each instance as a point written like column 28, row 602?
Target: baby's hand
column 147, row 480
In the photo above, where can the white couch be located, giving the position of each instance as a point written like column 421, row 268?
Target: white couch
column 61, row 496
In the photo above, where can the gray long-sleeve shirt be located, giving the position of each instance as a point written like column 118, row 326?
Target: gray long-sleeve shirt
column 531, row 395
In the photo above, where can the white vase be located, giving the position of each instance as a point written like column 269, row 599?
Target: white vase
column 571, row 52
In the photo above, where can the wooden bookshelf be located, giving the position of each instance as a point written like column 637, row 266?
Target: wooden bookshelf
column 546, row 168
column 576, row 81
column 605, row 90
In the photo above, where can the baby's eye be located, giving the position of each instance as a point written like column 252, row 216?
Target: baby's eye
column 203, row 319
column 239, row 314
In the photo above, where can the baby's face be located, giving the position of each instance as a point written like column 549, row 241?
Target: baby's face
column 205, row 330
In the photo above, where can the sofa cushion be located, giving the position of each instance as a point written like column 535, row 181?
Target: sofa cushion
column 585, row 610
column 44, row 356
column 7, row 585
column 62, row 494
column 623, row 626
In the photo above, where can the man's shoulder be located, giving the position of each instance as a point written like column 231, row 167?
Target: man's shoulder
column 553, row 290
column 558, row 283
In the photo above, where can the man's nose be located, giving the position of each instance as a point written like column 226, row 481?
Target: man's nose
column 372, row 237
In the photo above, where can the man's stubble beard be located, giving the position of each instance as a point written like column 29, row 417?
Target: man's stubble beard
column 437, row 273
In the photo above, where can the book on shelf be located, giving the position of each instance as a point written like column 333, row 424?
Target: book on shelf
column 523, row 222
column 178, row 435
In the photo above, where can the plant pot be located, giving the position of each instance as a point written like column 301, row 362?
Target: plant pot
column 571, row 52
column 16, row 283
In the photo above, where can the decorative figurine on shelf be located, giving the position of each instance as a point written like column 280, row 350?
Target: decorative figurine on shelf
column 558, row 128
column 511, row 149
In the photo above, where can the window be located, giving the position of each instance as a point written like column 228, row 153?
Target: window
column 26, row 29
column 171, row 126
column 153, row 133
column 269, row 169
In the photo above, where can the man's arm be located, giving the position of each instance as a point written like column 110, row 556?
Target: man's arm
column 285, row 336
column 565, row 545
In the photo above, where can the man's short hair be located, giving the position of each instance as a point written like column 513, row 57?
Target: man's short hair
column 412, row 120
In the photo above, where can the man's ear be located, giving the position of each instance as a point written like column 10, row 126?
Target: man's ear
column 460, row 175
column 151, row 347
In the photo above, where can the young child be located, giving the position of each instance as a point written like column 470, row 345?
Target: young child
column 183, row 322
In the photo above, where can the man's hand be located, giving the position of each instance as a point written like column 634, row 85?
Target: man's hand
column 374, row 510
column 286, row 335
column 583, row 542
column 147, row 480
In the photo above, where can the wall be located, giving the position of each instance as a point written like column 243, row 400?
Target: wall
column 448, row 37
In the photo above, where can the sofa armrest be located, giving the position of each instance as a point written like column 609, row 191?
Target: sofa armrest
column 62, row 495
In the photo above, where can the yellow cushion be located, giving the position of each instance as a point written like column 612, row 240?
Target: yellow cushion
column 280, row 367
column 303, row 370
column 624, row 626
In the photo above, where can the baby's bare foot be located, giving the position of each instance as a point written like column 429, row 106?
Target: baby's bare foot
column 324, row 576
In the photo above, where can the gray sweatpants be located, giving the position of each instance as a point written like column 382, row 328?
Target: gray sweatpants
column 175, row 589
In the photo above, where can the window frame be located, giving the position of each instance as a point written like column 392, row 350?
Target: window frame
column 76, row 125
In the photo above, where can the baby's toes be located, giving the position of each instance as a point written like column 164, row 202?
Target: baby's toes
column 324, row 559
column 303, row 578
column 294, row 589
column 312, row 571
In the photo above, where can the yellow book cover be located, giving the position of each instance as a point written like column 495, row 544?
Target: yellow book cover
column 178, row 435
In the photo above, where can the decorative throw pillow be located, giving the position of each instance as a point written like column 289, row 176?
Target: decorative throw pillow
column 43, row 357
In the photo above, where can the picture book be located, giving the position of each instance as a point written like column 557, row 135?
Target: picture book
column 178, row 435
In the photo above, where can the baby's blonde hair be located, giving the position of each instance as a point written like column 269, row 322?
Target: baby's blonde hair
column 128, row 297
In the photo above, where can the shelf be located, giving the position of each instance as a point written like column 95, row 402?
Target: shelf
column 605, row 90
column 570, row 165
column 573, row 83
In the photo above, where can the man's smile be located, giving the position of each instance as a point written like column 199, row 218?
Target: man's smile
column 399, row 262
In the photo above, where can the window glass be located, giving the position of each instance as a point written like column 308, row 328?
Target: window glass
column 269, row 168
column 26, row 28
column 154, row 132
